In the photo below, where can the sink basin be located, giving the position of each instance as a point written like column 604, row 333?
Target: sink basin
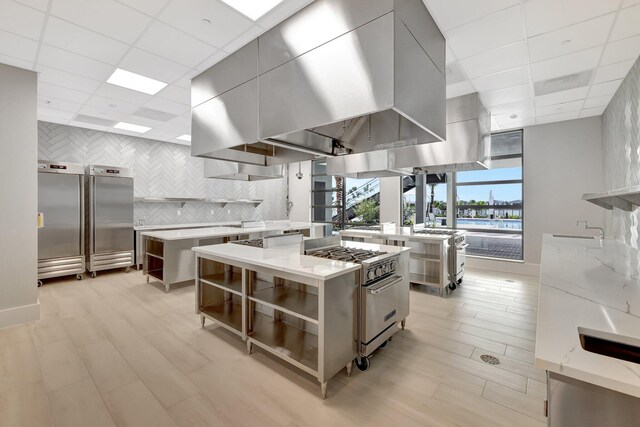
column 607, row 344
column 571, row 236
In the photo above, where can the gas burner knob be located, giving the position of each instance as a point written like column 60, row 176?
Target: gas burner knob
column 385, row 268
column 378, row 271
column 392, row 266
column 371, row 275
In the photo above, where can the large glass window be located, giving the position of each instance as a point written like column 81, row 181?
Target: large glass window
column 489, row 203
column 425, row 200
column 341, row 202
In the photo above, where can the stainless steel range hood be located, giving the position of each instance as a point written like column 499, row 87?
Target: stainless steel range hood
column 339, row 76
column 468, row 147
column 241, row 172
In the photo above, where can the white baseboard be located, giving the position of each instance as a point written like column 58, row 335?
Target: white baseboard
column 504, row 266
column 17, row 315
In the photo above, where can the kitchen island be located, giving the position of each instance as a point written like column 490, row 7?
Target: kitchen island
column 300, row 308
column 588, row 331
column 167, row 255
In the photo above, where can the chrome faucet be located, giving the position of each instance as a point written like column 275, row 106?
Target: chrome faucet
column 586, row 227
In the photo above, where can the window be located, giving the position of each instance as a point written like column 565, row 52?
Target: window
column 425, row 200
column 340, row 202
column 489, row 203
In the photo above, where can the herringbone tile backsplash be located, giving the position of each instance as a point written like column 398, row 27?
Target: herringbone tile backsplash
column 621, row 148
column 162, row 169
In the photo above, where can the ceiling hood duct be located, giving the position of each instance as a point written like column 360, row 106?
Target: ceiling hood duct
column 468, row 147
column 339, row 76
column 220, row 169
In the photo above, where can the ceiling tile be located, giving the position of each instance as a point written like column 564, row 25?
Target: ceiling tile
column 109, row 104
column 602, row 89
column 150, row 65
column 150, row 7
column 167, row 106
column 511, row 107
column 282, row 12
column 453, row 13
column 62, row 60
column 183, row 121
column 103, row 16
column 226, row 23
column 494, row 61
column 459, row 89
column 612, row 72
column 565, row 65
column 621, row 50
column 18, row 47
column 513, row 77
column 580, row 36
column 176, row 94
column 557, row 117
column 168, row 42
column 504, row 96
column 68, row 80
column 564, row 107
column 244, row 38
column 57, row 104
column 36, row 4
column 493, row 31
column 542, row 16
column 54, row 113
column 505, row 122
column 16, row 62
column 84, row 42
column 57, row 92
column 563, row 96
column 599, row 101
column 141, row 121
column 627, row 24
column 21, row 20
column 103, row 113
column 589, row 112
column 120, row 93
column 628, row 3
column 212, row 60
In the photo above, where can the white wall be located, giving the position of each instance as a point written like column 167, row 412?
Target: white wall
column 18, row 196
column 300, row 192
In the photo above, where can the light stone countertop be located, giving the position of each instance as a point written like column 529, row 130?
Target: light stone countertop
column 211, row 232
column 397, row 233
column 593, row 284
column 192, row 225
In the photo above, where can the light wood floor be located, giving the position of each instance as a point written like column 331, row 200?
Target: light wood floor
column 117, row 351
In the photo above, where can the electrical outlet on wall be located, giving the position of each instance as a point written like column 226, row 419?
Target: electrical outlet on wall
column 179, row 212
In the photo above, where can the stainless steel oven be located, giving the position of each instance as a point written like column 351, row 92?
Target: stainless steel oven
column 380, row 305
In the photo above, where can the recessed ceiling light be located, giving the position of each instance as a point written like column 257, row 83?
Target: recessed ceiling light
column 131, row 127
column 253, row 9
column 513, row 116
column 565, row 42
column 185, row 137
column 136, row 82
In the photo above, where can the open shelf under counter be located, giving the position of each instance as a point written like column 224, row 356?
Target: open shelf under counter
column 297, row 303
column 292, row 344
column 155, row 256
column 422, row 279
column 228, row 314
column 230, row 281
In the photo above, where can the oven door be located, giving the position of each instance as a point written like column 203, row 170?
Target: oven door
column 380, row 306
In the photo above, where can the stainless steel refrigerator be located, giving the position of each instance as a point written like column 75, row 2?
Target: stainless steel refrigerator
column 110, row 218
column 61, row 227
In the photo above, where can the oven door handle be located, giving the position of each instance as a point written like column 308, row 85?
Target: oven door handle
column 463, row 246
column 384, row 286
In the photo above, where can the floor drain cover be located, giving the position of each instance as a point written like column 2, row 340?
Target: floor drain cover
column 491, row 360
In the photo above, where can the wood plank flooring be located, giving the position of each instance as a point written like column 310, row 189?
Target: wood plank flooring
column 115, row 351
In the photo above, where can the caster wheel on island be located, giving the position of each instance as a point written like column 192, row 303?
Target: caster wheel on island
column 79, row 277
column 452, row 286
column 128, row 269
column 459, row 281
column 39, row 283
column 383, row 345
column 94, row 274
column 363, row 363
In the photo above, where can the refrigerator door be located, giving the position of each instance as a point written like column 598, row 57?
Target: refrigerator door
column 59, row 200
column 112, row 214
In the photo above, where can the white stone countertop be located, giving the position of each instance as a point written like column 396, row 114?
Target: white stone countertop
column 288, row 258
column 192, row 225
column 397, row 233
column 593, row 284
column 201, row 233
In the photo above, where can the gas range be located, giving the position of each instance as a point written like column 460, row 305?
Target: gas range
column 254, row 243
column 340, row 253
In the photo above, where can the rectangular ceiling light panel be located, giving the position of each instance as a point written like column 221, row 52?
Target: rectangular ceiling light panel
column 136, row 82
column 253, row 9
column 131, row 127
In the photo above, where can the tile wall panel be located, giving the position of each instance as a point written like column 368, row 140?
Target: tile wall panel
column 162, row 169
column 621, row 148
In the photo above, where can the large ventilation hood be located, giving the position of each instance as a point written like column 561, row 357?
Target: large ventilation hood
column 241, row 172
column 468, row 147
column 338, row 77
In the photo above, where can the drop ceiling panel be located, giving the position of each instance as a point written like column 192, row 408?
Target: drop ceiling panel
column 564, row 107
column 542, row 16
column 83, row 42
column 453, row 13
column 150, row 65
column 507, row 95
column 103, row 113
column 67, row 61
column 494, row 61
column 64, row 79
column 17, row 47
column 598, row 101
column 565, row 65
column 15, row 62
column 119, row 93
column 54, row 113
column 281, row 12
column 150, row 7
column 176, row 94
column 57, row 92
column 628, row 23
column 513, row 77
column 603, row 89
column 103, row 16
column 612, row 72
column 36, row 4
column 571, row 39
column 630, row 2
column 173, row 44
column 563, row 96
column 226, row 23
column 21, row 20
column 588, row 112
column 621, row 50
column 493, row 31
column 142, row 121
column 459, row 89
column 512, row 107
column 244, row 38
column 108, row 104
column 211, row 61
column 572, row 115
column 57, row 104
column 167, row 106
